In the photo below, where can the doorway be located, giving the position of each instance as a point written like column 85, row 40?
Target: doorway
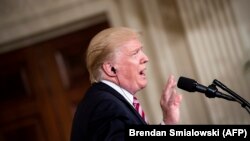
column 41, row 85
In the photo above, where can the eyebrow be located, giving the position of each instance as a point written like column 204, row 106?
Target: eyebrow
column 135, row 50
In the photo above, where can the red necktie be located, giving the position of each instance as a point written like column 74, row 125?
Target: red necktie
column 138, row 108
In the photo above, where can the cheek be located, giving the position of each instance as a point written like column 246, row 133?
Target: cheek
column 131, row 72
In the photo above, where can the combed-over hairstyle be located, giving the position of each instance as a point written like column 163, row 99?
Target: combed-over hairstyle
column 103, row 46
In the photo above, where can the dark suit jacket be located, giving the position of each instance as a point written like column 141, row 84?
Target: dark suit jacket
column 103, row 115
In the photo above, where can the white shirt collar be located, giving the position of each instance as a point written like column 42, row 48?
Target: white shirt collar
column 128, row 96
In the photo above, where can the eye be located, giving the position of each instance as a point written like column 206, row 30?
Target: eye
column 136, row 51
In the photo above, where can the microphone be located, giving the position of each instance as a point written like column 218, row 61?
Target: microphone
column 190, row 85
column 211, row 91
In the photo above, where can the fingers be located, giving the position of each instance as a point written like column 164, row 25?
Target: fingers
column 169, row 89
column 170, row 102
column 177, row 99
column 171, row 82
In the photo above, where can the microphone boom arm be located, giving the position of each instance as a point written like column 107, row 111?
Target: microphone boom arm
column 236, row 97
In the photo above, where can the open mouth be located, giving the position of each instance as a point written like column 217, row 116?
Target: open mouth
column 142, row 72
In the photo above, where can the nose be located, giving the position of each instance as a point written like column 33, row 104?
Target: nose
column 144, row 58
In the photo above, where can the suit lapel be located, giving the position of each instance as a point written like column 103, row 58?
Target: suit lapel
column 104, row 87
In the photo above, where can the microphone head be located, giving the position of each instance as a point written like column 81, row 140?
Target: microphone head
column 187, row 84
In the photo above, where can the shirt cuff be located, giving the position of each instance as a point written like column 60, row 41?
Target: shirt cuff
column 162, row 123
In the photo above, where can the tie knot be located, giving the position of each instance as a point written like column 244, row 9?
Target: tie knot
column 135, row 101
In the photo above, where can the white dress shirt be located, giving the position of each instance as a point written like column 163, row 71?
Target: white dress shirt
column 128, row 96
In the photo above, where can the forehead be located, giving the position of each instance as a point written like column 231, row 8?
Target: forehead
column 131, row 45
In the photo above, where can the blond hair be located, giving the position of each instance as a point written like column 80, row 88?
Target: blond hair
column 103, row 46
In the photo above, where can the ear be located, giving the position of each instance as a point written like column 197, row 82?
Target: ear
column 107, row 68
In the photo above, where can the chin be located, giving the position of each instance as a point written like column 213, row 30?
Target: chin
column 144, row 84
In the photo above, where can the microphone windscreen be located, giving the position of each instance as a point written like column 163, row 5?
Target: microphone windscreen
column 186, row 84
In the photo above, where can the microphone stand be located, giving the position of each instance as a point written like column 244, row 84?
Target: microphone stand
column 235, row 96
column 212, row 92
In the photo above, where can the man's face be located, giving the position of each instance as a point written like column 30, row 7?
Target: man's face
column 131, row 66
